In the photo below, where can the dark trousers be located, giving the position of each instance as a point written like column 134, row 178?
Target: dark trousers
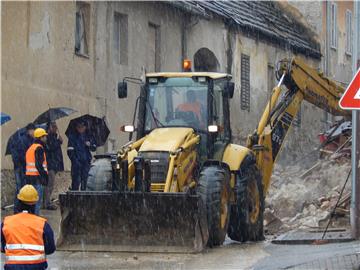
column 49, row 188
column 19, row 183
column 37, row 183
column 79, row 175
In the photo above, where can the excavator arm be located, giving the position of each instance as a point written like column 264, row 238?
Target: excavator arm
column 302, row 83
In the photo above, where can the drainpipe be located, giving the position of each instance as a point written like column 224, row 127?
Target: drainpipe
column 327, row 38
column 183, row 43
column 355, row 151
column 327, row 51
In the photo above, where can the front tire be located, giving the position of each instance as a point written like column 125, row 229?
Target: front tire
column 247, row 214
column 214, row 189
column 100, row 175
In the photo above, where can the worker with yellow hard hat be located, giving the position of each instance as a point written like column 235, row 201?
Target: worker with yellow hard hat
column 36, row 171
column 26, row 239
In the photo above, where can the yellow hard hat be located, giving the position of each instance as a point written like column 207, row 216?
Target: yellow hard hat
column 28, row 194
column 39, row 132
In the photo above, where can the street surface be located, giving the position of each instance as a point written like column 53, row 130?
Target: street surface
column 232, row 255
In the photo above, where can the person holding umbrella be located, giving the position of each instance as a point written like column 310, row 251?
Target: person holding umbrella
column 36, row 165
column 18, row 145
column 55, row 161
column 79, row 146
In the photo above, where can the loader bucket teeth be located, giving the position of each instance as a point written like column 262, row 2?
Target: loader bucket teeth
column 132, row 221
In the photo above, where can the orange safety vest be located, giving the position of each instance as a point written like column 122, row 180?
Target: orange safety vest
column 191, row 107
column 30, row 160
column 23, row 234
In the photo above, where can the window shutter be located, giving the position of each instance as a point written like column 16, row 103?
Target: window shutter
column 245, row 83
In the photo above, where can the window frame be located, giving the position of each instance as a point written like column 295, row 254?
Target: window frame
column 349, row 32
column 333, row 27
column 226, row 133
column 157, row 56
column 81, row 11
column 120, row 54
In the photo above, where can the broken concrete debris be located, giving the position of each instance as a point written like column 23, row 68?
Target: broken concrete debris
column 296, row 201
column 303, row 198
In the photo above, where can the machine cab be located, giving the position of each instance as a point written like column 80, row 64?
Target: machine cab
column 188, row 99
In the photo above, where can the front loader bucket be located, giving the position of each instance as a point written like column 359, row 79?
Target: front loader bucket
column 132, row 221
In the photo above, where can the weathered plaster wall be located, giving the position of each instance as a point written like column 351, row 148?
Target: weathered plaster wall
column 108, row 72
column 39, row 68
column 208, row 34
column 340, row 63
column 301, row 139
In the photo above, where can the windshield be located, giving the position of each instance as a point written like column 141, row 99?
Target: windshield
column 177, row 102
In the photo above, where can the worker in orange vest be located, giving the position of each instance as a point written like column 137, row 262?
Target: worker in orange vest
column 26, row 239
column 192, row 105
column 36, row 171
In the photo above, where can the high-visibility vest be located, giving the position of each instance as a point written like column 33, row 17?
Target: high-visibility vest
column 23, row 235
column 191, row 107
column 30, row 160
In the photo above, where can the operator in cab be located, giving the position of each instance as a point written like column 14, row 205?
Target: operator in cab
column 192, row 105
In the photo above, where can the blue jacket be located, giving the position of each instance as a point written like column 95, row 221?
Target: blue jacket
column 49, row 244
column 54, row 155
column 78, row 152
column 18, row 149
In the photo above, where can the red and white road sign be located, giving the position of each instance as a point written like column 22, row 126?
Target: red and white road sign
column 351, row 98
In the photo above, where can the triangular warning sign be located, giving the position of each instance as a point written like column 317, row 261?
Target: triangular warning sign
column 351, row 98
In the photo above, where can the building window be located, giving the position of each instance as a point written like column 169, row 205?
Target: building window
column 333, row 32
column 153, row 58
column 349, row 32
column 82, row 29
column 120, row 37
column 245, row 83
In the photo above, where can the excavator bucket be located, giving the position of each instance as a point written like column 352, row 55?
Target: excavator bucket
column 132, row 221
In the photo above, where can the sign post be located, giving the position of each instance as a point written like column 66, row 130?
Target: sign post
column 351, row 101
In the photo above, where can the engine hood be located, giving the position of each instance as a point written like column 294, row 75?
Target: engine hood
column 166, row 139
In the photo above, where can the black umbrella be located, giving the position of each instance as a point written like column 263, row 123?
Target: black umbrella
column 53, row 114
column 96, row 127
column 16, row 138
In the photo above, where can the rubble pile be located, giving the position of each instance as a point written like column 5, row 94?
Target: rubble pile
column 304, row 198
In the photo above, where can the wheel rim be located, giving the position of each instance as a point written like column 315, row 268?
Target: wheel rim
column 224, row 207
column 254, row 202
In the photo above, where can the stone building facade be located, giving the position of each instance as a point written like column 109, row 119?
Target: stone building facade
column 334, row 24
column 73, row 54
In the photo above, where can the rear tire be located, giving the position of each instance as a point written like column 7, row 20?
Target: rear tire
column 100, row 175
column 247, row 215
column 214, row 189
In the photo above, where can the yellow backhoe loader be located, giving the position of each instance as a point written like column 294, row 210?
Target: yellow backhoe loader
column 182, row 184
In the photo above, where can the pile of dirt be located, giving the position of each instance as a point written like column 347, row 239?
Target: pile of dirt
column 62, row 183
column 302, row 198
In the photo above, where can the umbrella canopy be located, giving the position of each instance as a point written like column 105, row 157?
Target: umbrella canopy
column 16, row 138
column 4, row 118
column 96, row 127
column 53, row 114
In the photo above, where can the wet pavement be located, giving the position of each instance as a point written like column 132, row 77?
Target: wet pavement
column 231, row 255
